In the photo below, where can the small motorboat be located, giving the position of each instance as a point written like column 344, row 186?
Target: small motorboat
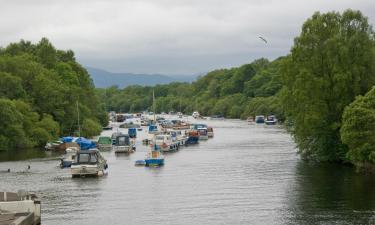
column 271, row 120
column 154, row 158
column 132, row 132
column 104, row 143
column 69, row 157
column 259, row 119
column 123, row 144
column 203, row 133
column 193, row 137
column 19, row 208
column 89, row 163
column 165, row 143
column 140, row 162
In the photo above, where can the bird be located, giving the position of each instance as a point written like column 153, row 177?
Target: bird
column 28, row 167
column 262, row 38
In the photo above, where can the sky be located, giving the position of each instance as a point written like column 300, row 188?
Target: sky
column 166, row 36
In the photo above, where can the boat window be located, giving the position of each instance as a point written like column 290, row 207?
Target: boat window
column 93, row 158
column 84, row 158
column 159, row 138
column 123, row 140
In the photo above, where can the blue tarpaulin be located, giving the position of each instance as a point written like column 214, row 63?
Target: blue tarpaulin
column 84, row 143
column 81, row 141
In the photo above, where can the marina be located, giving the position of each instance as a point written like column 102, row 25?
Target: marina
column 244, row 174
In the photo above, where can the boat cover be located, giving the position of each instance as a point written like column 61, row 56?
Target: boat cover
column 85, row 143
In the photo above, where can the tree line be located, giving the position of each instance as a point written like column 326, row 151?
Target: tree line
column 40, row 87
column 322, row 89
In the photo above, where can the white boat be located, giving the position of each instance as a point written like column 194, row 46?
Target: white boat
column 68, row 159
column 19, row 208
column 89, row 163
column 203, row 134
column 195, row 115
column 179, row 114
column 123, row 144
column 165, row 143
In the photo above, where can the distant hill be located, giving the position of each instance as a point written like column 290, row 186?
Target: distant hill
column 104, row 78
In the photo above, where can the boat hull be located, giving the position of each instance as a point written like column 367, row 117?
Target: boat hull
column 192, row 140
column 154, row 162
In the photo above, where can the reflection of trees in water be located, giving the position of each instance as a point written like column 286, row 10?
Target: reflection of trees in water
column 330, row 194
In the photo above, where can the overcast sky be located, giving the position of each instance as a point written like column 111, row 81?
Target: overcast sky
column 165, row 36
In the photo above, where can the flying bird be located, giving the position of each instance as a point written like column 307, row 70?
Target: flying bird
column 262, row 38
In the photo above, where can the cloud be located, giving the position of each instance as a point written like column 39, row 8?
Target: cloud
column 165, row 36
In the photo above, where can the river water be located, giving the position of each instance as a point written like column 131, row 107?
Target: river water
column 246, row 174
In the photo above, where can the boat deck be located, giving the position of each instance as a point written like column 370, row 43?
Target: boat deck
column 17, row 218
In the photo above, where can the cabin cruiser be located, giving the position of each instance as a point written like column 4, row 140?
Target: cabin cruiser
column 123, row 144
column 271, row 120
column 259, row 119
column 179, row 114
column 89, row 163
column 104, row 143
column 165, row 143
column 195, row 115
column 193, row 137
column 19, row 208
column 154, row 157
column 203, row 134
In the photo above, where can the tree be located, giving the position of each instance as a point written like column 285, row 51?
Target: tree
column 358, row 129
column 331, row 62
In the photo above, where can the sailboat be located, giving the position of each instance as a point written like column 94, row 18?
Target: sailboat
column 155, row 156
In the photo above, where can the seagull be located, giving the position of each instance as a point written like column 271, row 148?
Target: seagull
column 262, row 38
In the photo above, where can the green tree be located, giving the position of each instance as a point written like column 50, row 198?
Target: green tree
column 331, row 62
column 358, row 129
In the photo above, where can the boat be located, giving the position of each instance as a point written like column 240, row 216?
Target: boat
column 132, row 132
column 250, row 119
column 195, row 115
column 130, row 125
column 53, row 145
column 217, row 117
column 140, row 162
column 165, row 143
column 114, row 135
column 154, row 157
column 19, row 208
column 104, row 143
column 89, row 163
column 107, row 128
column 193, row 137
column 197, row 126
column 69, row 157
column 123, row 144
column 203, row 133
column 210, row 131
column 259, row 119
column 270, row 120
column 179, row 114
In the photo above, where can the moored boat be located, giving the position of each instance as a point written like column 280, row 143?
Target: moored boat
column 259, row 119
column 69, row 157
column 89, row 163
column 19, row 208
column 203, row 133
column 132, row 132
column 104, row 143
column 271, row 120
column 165, row 143
column 154, row 157
column 123, row 144
column 193, row 137
column 195, row 115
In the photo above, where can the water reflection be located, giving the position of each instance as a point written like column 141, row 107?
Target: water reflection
column 330, row 194
column 25, row 154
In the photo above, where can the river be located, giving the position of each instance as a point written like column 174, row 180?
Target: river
column 246, row 174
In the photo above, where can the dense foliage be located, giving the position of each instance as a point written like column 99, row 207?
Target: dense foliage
column 358, row 129
column 238, row 92
column 39, row 88
column 331, row 62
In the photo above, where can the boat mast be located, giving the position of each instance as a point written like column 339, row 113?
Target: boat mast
column 153, row 104
column 79, row 126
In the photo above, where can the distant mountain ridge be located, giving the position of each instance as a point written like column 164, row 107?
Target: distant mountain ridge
column 103, row 78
